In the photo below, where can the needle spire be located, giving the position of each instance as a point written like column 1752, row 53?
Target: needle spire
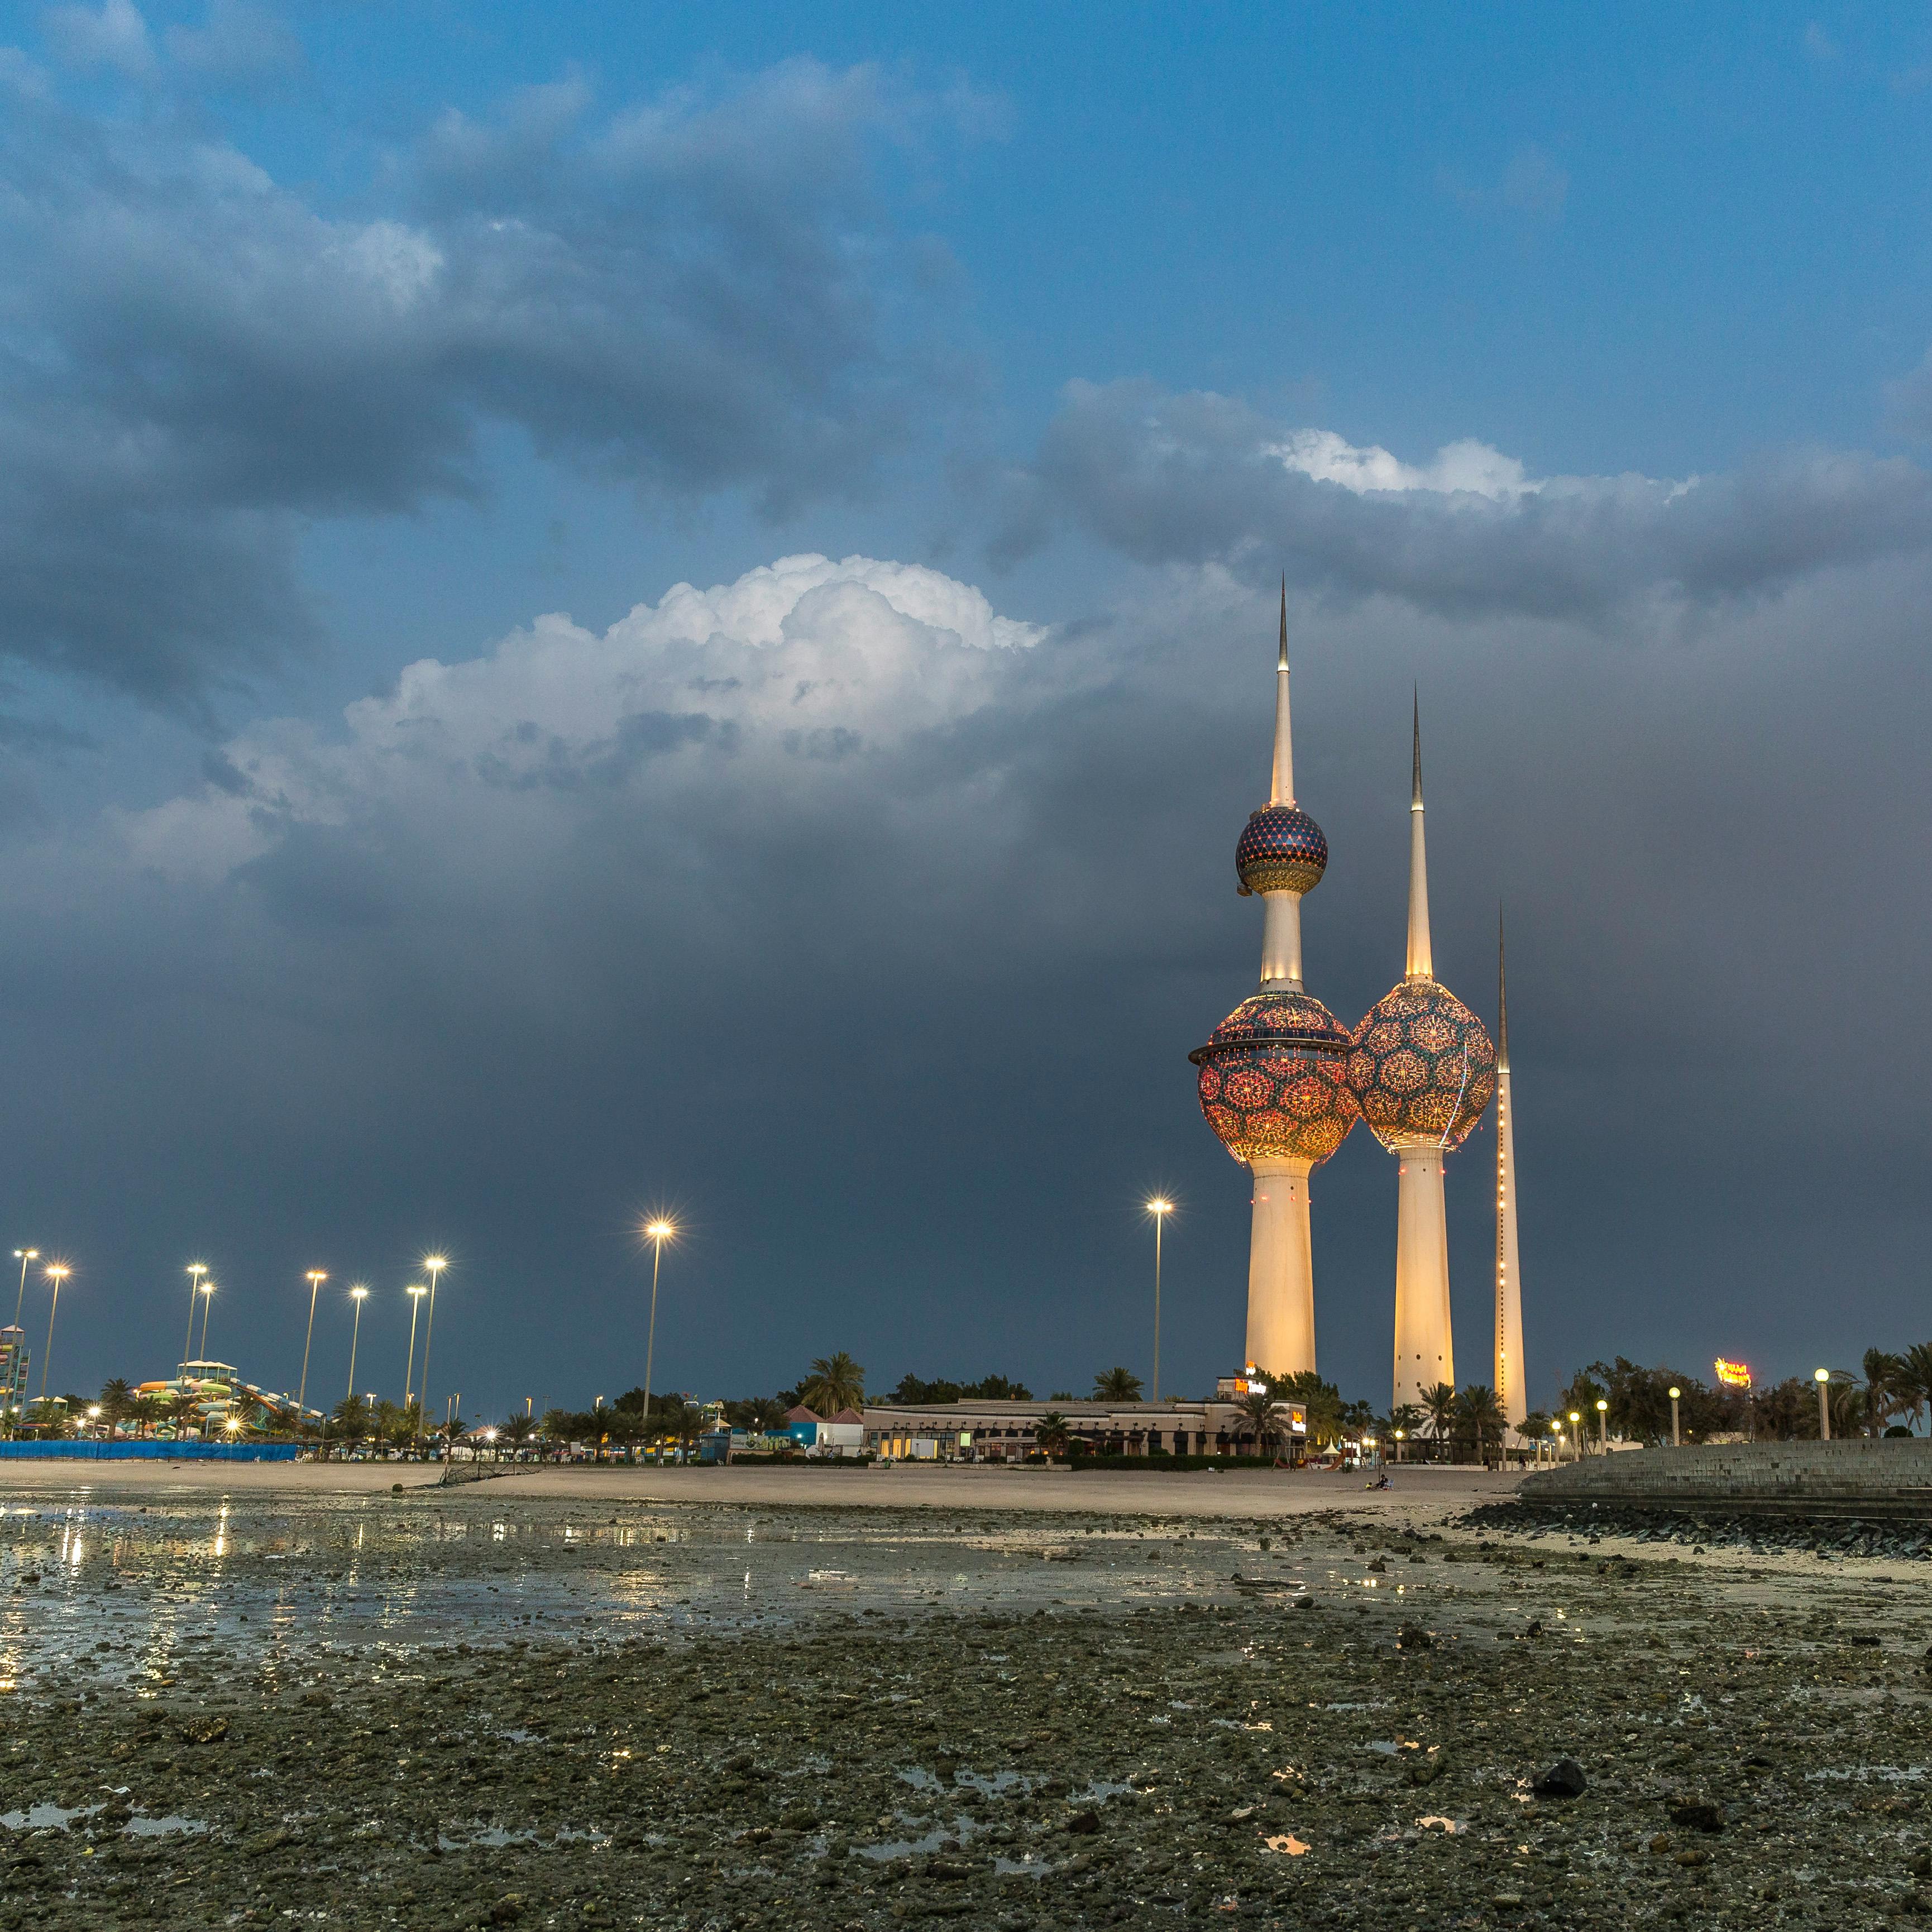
column 1283, row 791
column 1421, row 964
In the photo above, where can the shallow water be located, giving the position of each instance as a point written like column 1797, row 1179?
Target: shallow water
column 114, row 1589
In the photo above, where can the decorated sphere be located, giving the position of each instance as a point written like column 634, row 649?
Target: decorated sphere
column 1273, row 1080
column 1282, row 850
column 1421, row 1065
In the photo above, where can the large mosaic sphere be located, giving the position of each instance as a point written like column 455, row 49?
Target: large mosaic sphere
column 1273, row 1079
column 1282, row 850
column 1421, row 1066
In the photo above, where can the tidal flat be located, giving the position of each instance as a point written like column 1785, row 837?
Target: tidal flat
column 447, row 1709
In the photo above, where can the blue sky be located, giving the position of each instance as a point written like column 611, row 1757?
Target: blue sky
column 1571, row 362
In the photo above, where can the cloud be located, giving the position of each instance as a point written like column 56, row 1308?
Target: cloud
column 236, row 42
column 113, row 35
column 1190, row 478
column 696, row 294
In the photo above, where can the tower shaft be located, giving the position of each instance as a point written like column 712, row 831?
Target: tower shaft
column 1512, row 1379
column 1281, row 1268
column 1281, row 940
column 1424, row 1350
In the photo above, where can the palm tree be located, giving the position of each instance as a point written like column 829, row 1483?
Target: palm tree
column 147, row 1413
column 835, row 1382
column 557, row 1427
column 117, row 1402
column 1915, row 1384
column 1440, row 1402
column 1882, row 1393
column 351, row 1416
column 184, row 1410
column 517, row 1432
column 1259, row 1410
column 1478, row 1410
column 1116, row 1385
column 1534, row 1427
column 1053, row 1433
column 1405, row 1420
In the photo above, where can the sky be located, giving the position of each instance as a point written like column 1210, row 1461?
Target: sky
column 607, row 609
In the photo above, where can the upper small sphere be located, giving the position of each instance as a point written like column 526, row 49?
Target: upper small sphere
column 1421, row 1065
column 1282, row 850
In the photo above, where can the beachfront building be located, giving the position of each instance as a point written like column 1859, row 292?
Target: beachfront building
column 969, row 1430
column 15, row 1360
column 1270, row 1079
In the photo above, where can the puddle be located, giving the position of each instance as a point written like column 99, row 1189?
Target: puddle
column 46, row 1817
column 157, row 1828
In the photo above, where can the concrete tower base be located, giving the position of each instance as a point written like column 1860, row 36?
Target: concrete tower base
column 1424, row 1352
column 1281, row 1268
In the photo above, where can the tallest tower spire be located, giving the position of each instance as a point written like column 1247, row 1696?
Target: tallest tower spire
column 1283, row 793
column 1421, row 964
column 1511, row 1384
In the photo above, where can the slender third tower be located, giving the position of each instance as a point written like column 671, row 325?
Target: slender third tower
column 1512, row 1379
column 1272, row 1078
column 1422, row 1068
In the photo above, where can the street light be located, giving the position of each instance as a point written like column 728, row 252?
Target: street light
column 206, row 1291
column 315, row 1278
column 657, row 1233
column 358, row 1295
column 1576, row 1442
column 1159, row 1209
column 435, row 1263
column 23, row 1256
column 1676, row 1441
column 1823, row 1377
column 195, row 1269
column 415, row 1294
column 1401, row 1437
column 1603, row 1426
column 57, row 1273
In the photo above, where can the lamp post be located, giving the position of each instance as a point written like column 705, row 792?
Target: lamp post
column 195, row 1269
column 1576, row 1441
column 657, row 1233
column 1401, row 1437
column 1603, row 1426
column 435, row 1264
column 1823, row 1377
column 57, row 1273
column 358, row 1295
column 315, row 1278
column 415, row 1292
column 1159, row 1208
column 206, row 1291
column 1676, row 1440
column 23, row 1256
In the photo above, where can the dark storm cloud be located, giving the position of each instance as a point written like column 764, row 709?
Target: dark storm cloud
column 1166, row 478
column 691, row 295
column 592, row 917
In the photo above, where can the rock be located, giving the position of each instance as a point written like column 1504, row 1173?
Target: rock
column 1308, row 1603
column 1696, row 1814
column 1413, row 1636
column 1563, row 1779
column 1084, row 1822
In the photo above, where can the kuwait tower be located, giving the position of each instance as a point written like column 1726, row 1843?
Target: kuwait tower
column 1273, row 1081
column 1422, row 1069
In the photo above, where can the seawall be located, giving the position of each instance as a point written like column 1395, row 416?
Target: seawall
column 1862, row 1478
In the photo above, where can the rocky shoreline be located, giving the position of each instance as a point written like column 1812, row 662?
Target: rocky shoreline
column 1346, row 1727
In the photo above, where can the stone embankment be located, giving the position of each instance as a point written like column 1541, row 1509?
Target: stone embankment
column 1862, row 1479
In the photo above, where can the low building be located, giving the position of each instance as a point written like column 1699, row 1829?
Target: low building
column 844, row 1434
column 974, row 1431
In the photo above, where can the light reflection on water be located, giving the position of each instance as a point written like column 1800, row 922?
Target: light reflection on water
column 126, row 1588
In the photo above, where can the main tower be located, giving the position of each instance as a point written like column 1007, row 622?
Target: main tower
column 1272, row 1081
column 1422, row 1069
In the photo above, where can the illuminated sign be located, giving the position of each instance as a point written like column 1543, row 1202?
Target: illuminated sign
column 1733, row 1374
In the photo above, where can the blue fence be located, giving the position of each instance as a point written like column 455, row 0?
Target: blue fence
column 149, row 1452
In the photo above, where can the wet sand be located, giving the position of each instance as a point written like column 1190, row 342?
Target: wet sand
column 589, row 1697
